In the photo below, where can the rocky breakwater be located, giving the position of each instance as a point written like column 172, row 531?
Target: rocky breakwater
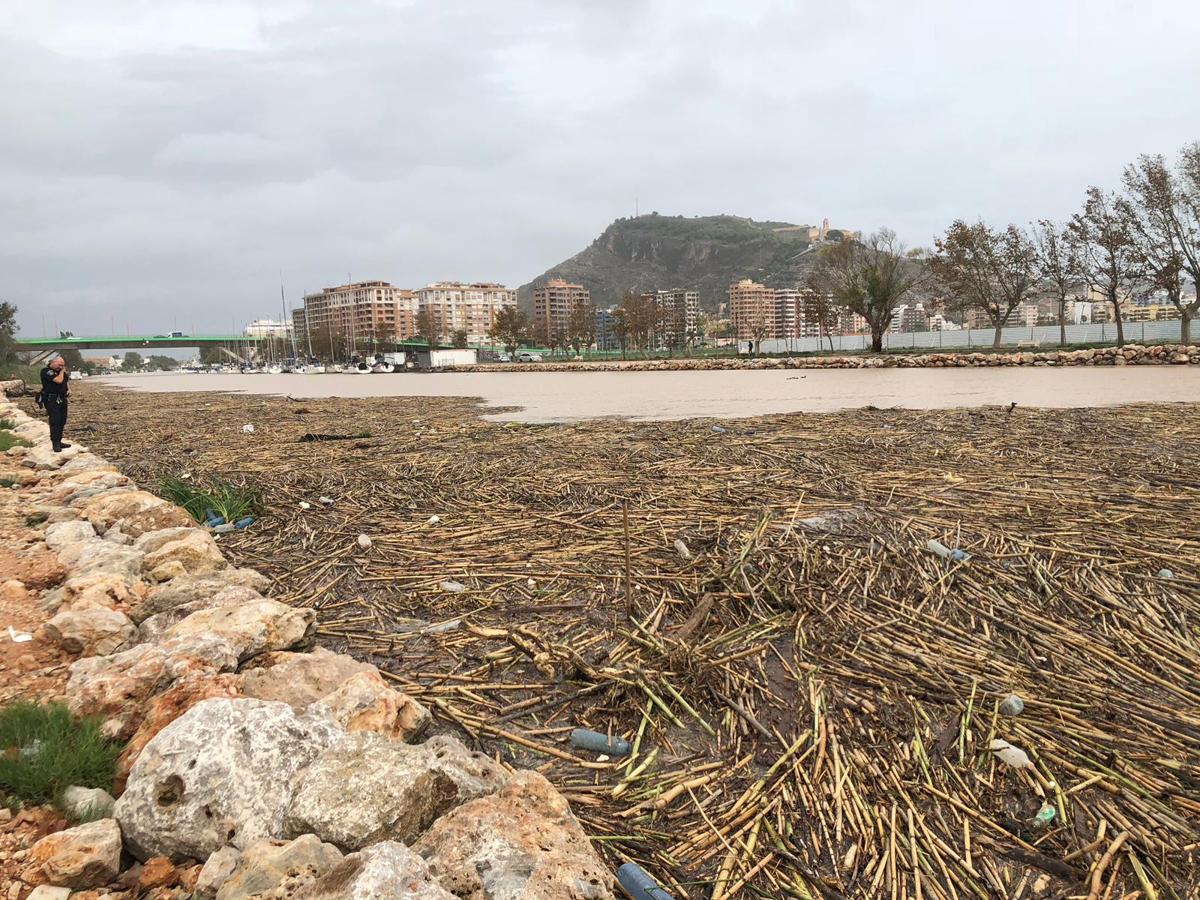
column 1129, row 355
column 255, row 765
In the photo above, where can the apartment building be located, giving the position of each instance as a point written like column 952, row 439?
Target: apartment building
column 606, row 329
column 264, row 328
column 461, row 306
column 357, row 313
column 679, row 314
column 785, row 313
column 752, row 310
column 553, row 305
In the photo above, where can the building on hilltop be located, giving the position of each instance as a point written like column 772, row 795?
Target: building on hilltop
column 352, row 315
column 555, row 305
column 462, row 306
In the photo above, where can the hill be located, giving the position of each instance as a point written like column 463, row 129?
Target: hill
column 704, row 253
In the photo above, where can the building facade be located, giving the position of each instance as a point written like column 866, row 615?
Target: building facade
column 752, row 310
column 763, row 313
column 264, row 328
column 554, row 304
column 356, row 315
column 679, row 315
column 461, row 306
column 606, row 329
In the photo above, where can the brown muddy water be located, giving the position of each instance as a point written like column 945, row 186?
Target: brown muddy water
column 571, row 396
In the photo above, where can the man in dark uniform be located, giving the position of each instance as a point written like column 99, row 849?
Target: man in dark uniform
column 54, row 394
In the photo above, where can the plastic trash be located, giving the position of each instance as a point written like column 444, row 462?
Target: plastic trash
column 248, row 429
column 585, row 739
column 639, row 885
column 717, row 429
column 305, row 505
column 443, row 627
column 1166, row 573
column 224, row 528
column 1046, row 814
column 682, row 549
column 214, row 521
column 1012, row 705
column 244, row 522
column 19, row 637
column 1010, row 755
column 945, row 552
column 530, row 582
column 364, row 542
column 433, row 520
column 328, row 501
column 453, row 587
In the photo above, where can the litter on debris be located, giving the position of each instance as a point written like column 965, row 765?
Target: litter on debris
column 453, row 586
column 945, row 552
column 1012, row 705
column 248, row 429
column 638, row 884
column 1010, row 755
column 586, row 739
column 682, row 549
column 364, row 541
column 19, row 637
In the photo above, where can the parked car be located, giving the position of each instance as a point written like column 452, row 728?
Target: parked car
column 526, row 357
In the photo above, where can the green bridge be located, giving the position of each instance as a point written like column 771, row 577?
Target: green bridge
column 42, row 347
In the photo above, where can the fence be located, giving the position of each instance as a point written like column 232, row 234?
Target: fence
column 1047, row 336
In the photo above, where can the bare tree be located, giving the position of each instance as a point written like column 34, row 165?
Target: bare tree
column 429, row 326
column 1165, row 220
column 870, row 277
column 1108, row 256
column 581, row 326
column 1058, row 260
column 992, row 271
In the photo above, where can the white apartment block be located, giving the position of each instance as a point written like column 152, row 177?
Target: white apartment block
column 472, row 307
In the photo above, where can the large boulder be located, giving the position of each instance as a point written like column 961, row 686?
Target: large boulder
column 101, row 556
column 267, row 866
column 251, row 628
column 163, row 709
column 194, row 551
column 159, row 624
column 364, row 703
column 77, row 489
column 155, row 518
column 100, row 589
column 92, row 632
column 219, row 774
column 216, row 870
column 195, row 588
column 385, row 871
column 118, row 687
column 522, row 841
column 300, row 679
column 365, row 788
column 87, row 856
column 64, row 534
column 105, row 509
column 79, row 803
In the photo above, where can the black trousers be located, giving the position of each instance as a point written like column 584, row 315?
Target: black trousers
column 56, row 409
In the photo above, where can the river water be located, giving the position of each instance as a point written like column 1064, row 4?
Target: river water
column 568, row 396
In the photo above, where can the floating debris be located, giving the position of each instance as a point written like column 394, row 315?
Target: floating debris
column 1012, row 705
column 364, row 542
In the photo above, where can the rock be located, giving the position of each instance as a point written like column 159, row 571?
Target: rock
column 13, row 591
column 219, row 774
column 97, row 590
column 299, row 679
column 520, row 842
column 156, row 518
column 106, row 509
column 37, row 570
column 366, row 788
column 100, row 556
column 46, row 892
column 64, row 534
column 193, row 588
column 90, row 803
column 385, row 871
column 165, row 708
column 87, row 462
column 156, row 540
column 167, row 571
column 266, row 866
column 365, row 703
column 157, row 872
column 195, row 551
column 117, row 687
column 216, row 872
column 83, row 857
column 44, row 458
column 92, row 632
column 78, row 488
column 251, row 628
column 157, row 625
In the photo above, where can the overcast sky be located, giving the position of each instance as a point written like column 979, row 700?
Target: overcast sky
column 162, row 162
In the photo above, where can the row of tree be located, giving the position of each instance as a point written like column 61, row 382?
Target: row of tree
column 1121, row 245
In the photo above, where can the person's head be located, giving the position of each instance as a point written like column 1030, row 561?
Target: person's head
column 57, row 362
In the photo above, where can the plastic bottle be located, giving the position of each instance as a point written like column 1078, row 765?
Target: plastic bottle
column 640, row 885
column 244, row 523
column 586, row 739
column 945, row 552
column 1010, row 755
column 1012, row 705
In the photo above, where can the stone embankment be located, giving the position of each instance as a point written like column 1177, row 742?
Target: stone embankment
column 255, row 765
column 1129, row 355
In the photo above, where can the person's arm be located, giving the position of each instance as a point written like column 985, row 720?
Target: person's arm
column 61, row 376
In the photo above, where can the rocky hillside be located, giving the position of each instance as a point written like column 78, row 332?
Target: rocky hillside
column 704, row 253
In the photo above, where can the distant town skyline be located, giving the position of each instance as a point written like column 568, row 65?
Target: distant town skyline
column 164, row 164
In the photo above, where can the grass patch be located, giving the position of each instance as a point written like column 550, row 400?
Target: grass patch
column 43, row 751
column 8, row 439
column 7, row 424
column 7, row 482
column 230, row 501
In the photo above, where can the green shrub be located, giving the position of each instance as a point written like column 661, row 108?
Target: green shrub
column 230, row 501
column 8, row 439
column 43, row 751
column 7, row 424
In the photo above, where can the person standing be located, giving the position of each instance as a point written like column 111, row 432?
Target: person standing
column 55, row 390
